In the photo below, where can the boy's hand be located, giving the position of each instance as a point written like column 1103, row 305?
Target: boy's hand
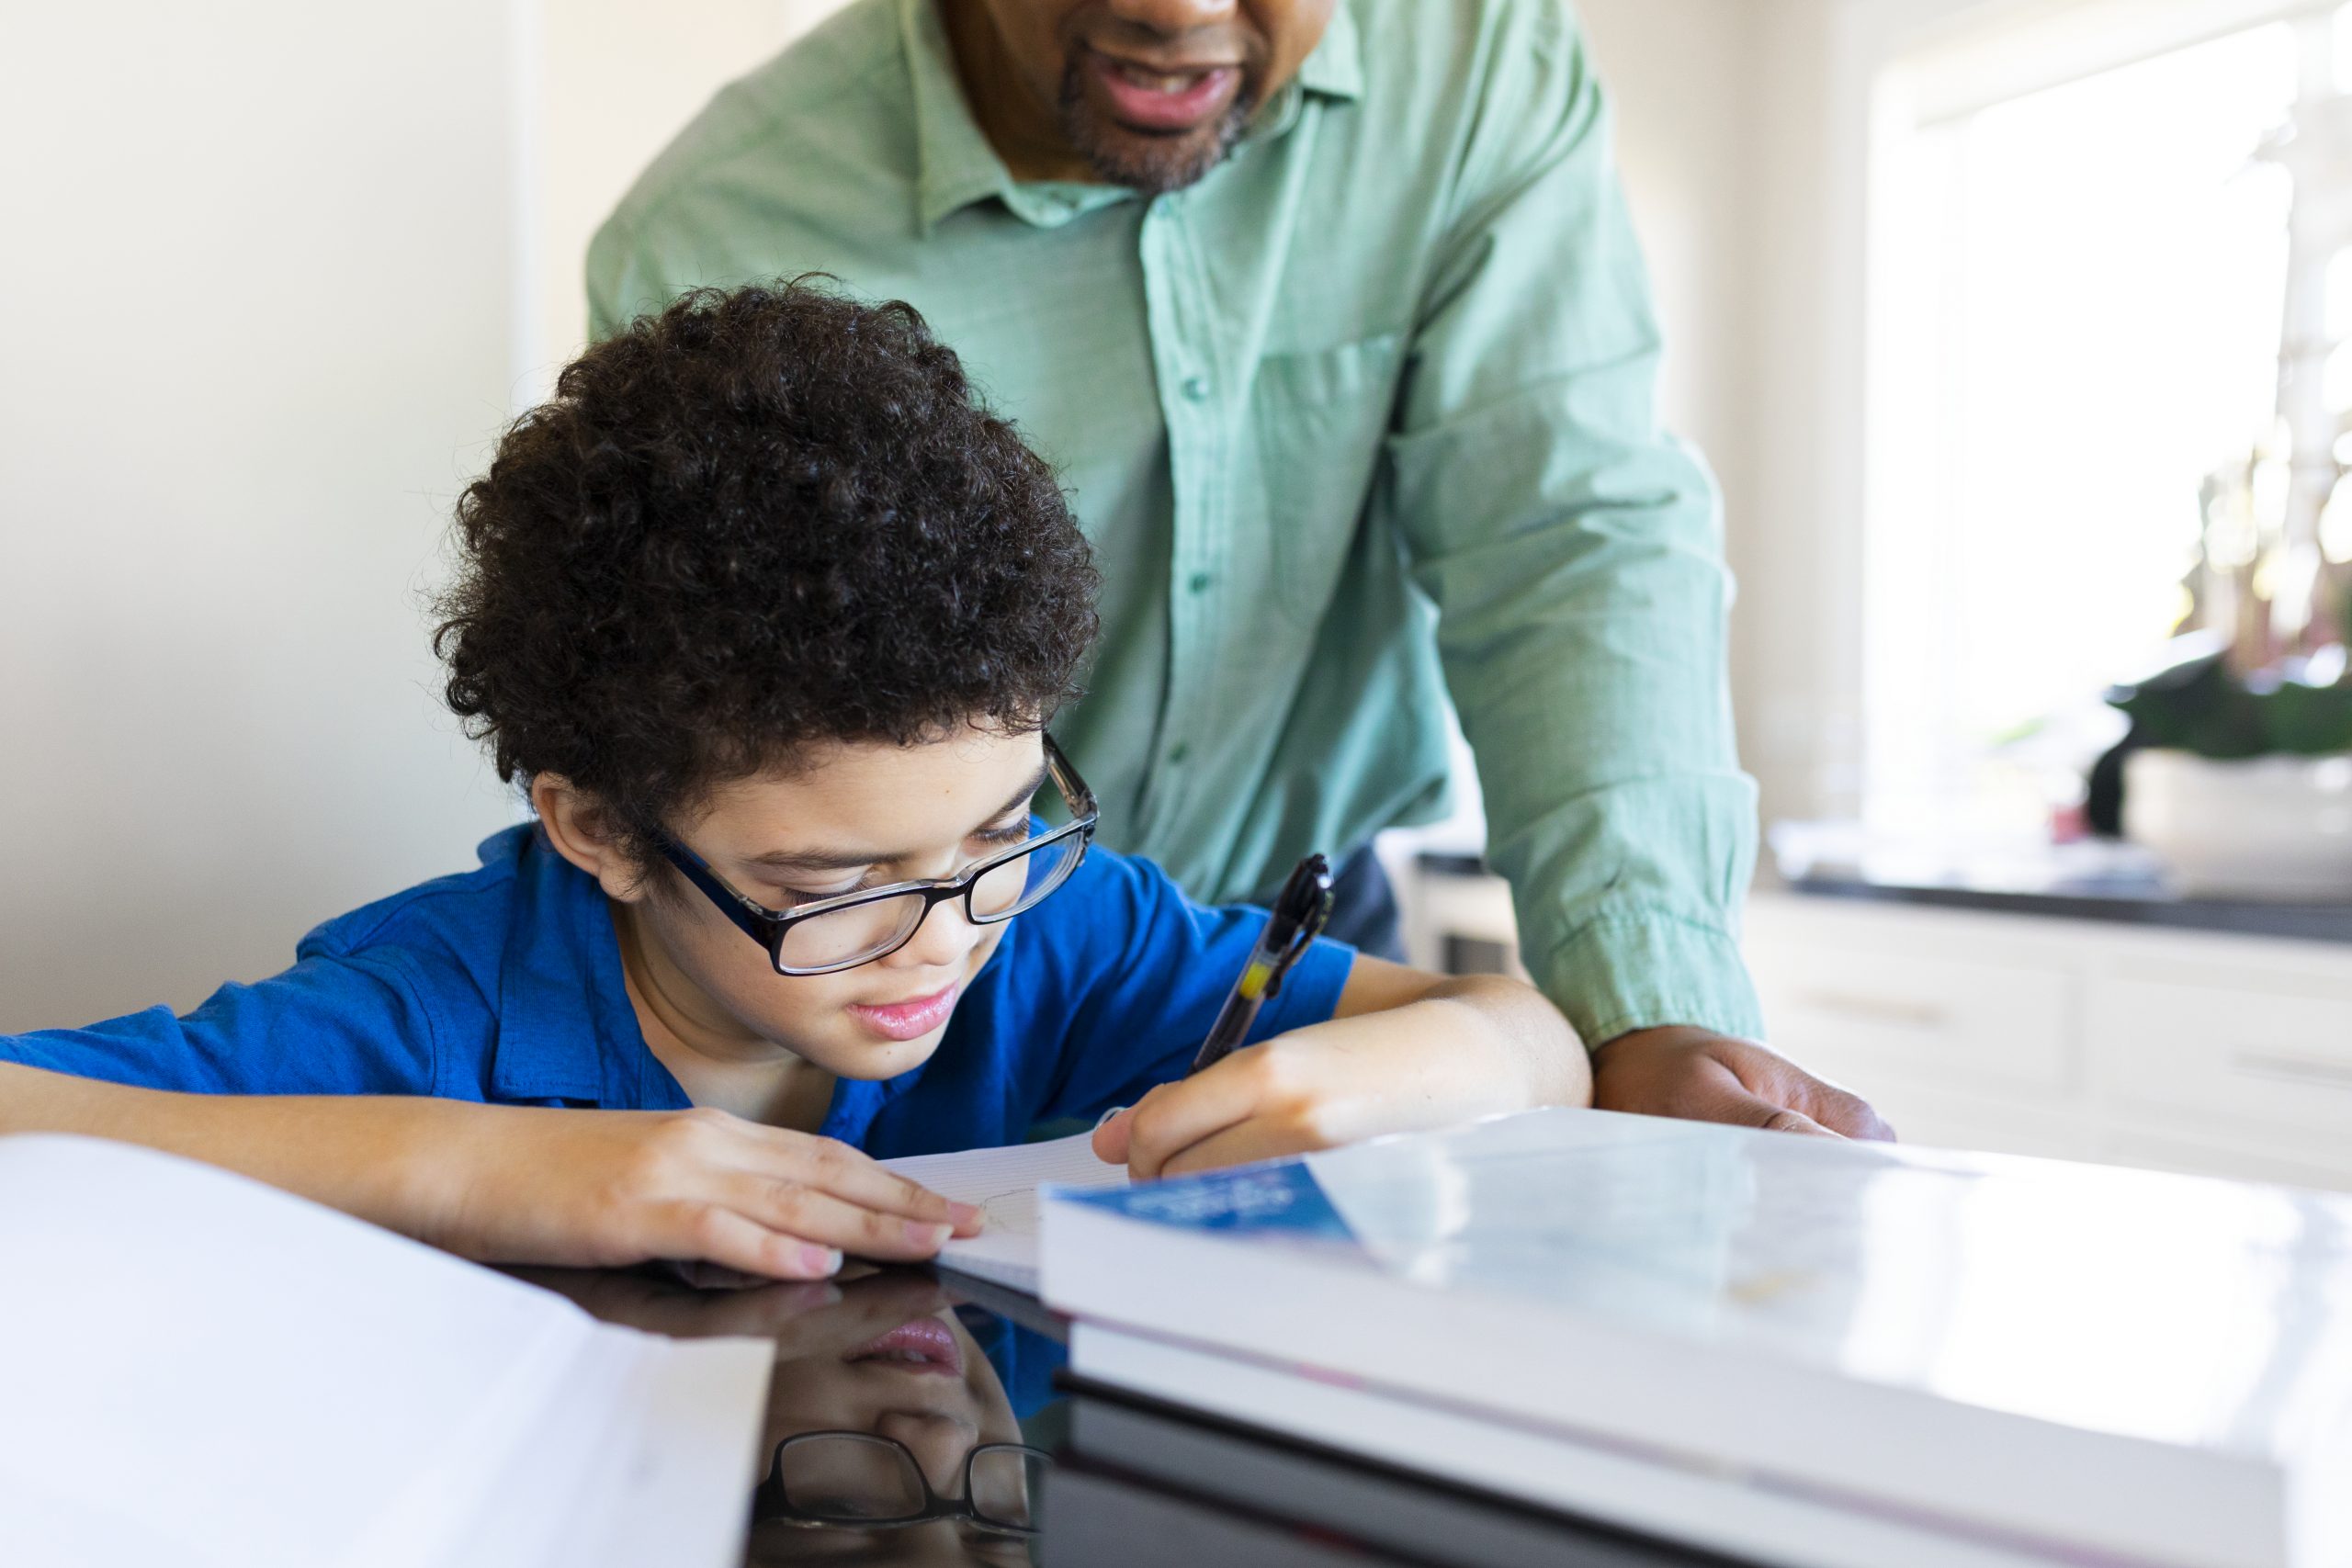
column 516, row 1184
column 805, row 1318
column 519, row 1184
column 1468, row 1048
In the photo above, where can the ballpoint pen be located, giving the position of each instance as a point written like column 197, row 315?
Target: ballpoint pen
column 1299, row 914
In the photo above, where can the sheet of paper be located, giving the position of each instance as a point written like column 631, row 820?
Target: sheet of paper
column 1004, row 1183
column 202, row 1369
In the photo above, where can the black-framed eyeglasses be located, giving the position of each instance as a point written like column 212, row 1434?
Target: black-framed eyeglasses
column 864, row 1481
column 831, row 934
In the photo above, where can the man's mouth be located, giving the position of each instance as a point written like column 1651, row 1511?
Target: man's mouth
column 1163, row 99
column 909, row 1020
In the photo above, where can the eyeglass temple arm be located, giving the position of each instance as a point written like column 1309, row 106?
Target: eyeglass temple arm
column 1066, row 779
column 732, row 904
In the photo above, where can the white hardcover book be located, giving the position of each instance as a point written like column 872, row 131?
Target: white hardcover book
column 1719, row 1510
column 198, row 1369
column 2039, row 1359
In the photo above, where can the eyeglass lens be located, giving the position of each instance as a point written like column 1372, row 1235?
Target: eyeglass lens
column 1005, row 1486
column 868, row 930
column 849, row 1477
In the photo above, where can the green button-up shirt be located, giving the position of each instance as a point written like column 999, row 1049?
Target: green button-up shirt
column 1362, row 420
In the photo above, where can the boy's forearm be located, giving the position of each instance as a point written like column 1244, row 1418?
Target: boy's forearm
column 1525, row 1034
column 372, row 1158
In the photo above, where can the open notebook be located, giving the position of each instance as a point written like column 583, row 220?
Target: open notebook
column 1004, row 1183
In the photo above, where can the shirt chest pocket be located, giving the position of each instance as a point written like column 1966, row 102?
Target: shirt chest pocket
column 1318, row 420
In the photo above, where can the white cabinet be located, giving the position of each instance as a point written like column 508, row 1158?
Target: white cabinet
column 2209, row 1053
column 2205, row 1052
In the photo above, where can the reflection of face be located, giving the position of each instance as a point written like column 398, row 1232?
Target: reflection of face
column 845, row 1362
column 854, row 816
column 925, row 1384
column 1152, row 93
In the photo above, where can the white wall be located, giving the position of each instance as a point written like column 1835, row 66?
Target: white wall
column 1683, row 75
column 263, row 324
column 615, row 80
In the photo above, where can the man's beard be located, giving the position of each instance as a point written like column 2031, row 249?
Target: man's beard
column 1151, row 165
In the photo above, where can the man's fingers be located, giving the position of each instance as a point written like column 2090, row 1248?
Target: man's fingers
column 1849, row 1115
column 815, row 1216
column 854, row 1176
column 1782, row 1120
column 1730, row 1102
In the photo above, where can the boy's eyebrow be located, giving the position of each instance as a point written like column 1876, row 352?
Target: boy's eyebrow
column 836, row 859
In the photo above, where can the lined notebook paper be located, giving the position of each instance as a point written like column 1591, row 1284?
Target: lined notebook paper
column 1004, row 1183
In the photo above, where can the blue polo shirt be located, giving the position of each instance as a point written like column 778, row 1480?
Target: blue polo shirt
column 503, row 985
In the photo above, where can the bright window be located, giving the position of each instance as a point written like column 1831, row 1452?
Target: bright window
column 2076, row 298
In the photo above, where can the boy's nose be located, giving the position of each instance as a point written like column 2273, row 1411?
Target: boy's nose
column 944, row 941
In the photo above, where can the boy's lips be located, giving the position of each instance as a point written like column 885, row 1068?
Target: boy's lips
column 909, row 1020
column 926, row 1345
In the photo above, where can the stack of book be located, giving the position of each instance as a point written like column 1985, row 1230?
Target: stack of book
column 1791, row 1350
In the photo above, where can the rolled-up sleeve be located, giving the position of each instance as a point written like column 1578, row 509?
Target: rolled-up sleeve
column 1574, row 551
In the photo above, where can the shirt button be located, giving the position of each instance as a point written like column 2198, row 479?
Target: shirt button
column 1196, row 388
column 1200, row 583
column 1179, row 751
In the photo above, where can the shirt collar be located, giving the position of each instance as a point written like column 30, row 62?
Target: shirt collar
column 954, row 164
column 565, row 1030
column 955, row 167
column 1335, row 68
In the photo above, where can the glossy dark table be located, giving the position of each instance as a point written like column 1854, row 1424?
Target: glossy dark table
column 971, row 1383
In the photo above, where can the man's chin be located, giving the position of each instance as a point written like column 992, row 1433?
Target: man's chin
column 1155, row 165
column 1150, row 162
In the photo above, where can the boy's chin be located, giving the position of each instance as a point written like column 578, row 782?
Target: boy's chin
column 855, row 1054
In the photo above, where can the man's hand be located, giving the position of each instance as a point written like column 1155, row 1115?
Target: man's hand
column 1705, row 1076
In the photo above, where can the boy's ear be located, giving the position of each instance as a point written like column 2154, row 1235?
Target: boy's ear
column 581, row 829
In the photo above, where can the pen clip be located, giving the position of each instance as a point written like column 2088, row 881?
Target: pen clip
column 1299, row 915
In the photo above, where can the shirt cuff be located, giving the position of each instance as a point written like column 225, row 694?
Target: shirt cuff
column 1626, row 972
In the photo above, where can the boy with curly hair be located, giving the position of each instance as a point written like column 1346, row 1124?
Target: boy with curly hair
column 770, row 615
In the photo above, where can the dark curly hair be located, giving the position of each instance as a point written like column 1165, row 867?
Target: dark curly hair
column 755, row 520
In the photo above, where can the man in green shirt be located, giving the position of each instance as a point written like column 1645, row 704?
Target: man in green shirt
column 1331, row 316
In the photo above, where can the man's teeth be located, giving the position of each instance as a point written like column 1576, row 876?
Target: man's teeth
column 1160, row 82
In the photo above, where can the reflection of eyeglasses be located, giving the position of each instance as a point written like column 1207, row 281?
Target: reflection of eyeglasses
column 863, row 1480
column 830, row 934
